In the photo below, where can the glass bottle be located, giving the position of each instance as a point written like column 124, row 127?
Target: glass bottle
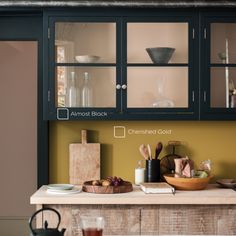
column 139, row 174
column 87, row 93
column 231, row 94
column 72, row 91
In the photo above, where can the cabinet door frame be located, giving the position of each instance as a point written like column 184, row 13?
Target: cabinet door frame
column 121, row 16
column 192, row 111
column 206, row 19
column 51, row 111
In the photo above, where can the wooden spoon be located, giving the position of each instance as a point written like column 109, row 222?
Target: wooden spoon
column 144, row 151
column 149, row 152
column 158, row 150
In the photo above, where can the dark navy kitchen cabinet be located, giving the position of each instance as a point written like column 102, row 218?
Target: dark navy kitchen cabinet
column 121, row 64
column 218, row 65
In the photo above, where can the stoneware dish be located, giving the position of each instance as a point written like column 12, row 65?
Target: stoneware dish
column 87, row 58
column 187, row 183
column 160, row 54
column 227, row 183
column 60, row 186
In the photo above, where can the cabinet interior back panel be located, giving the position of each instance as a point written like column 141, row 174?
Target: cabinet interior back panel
column 18, row 126
column 151, row 35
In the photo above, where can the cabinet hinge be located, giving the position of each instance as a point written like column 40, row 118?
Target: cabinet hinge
column 205, row 33
column 48, row 33
column 193, row 33
column 204, row 96
column 49, row 95
column 193, row 96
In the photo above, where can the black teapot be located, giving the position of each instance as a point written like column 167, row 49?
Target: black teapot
column 46, row 231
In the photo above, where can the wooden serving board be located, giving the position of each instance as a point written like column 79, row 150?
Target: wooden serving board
column 84, row 160
column 124, row 188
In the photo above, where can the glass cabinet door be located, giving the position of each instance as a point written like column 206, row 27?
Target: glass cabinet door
column 222, row 65
column 121, row 66
column 158, row 65
column 85, row 59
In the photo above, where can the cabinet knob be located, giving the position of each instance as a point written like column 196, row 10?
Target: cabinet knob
column 118, row 86
column 124, row 86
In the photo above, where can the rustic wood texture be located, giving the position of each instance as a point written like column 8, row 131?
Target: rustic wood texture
column 188, row 220
column 119, row 220
column 66, row 218
column 150, row 220
column 124, row 188
column 39, row 217
column 84, row 160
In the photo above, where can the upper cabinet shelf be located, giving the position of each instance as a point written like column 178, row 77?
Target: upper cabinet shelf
column 157, row 42
column 85, row 42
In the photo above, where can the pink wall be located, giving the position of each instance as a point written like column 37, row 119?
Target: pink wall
column 18, row 127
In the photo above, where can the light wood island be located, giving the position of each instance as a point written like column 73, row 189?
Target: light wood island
column 207, row 212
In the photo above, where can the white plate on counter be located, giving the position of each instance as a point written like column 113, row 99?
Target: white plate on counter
column 63, row 191
column 60, row 186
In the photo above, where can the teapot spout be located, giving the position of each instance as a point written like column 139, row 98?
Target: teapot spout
column 62, row 231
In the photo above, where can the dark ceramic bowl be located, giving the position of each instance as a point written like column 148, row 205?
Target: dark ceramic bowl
column 160, row 54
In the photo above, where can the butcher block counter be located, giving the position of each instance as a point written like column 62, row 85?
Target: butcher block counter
column 207, row 212
column 209, row 196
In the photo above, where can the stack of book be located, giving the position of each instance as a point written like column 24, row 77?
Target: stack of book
column 161, row 187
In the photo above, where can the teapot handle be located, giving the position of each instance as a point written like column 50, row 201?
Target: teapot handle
column 43, row 209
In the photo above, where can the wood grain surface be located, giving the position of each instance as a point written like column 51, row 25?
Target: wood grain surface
column 119, row 220
column 84, row 160
column 124, row 188
column 149, row 220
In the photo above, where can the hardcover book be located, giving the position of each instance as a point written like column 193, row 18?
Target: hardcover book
column 161, row 187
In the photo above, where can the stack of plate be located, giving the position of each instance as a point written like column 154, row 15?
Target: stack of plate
column 62, row 189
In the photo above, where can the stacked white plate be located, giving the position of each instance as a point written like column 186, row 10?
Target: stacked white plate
column 62, row 189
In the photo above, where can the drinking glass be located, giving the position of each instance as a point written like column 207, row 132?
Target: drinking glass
column 92, row 225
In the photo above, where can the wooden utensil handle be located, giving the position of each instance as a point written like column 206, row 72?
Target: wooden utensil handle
column 84, row 136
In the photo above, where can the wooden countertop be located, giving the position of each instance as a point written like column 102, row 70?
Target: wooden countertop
column 209, row 196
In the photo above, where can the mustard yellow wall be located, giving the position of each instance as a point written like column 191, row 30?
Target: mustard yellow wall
column 202, row 140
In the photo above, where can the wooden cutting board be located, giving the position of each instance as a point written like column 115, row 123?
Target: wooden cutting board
column 84, row 160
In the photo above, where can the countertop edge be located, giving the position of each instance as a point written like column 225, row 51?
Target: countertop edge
column 210, row 196
column 216, row 201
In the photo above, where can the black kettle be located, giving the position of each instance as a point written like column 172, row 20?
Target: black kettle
column 46, row 231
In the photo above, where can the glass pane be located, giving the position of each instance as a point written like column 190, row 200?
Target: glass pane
column 85, row 39
column 157, row 87
column 223, row 91
column 166, row 37
column 86, row 87
column 223, row 43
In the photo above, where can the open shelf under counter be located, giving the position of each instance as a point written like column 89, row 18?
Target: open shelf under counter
column 212, row 195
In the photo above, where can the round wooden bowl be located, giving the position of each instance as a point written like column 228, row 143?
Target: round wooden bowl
column 124, row 188
column 187, row 183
